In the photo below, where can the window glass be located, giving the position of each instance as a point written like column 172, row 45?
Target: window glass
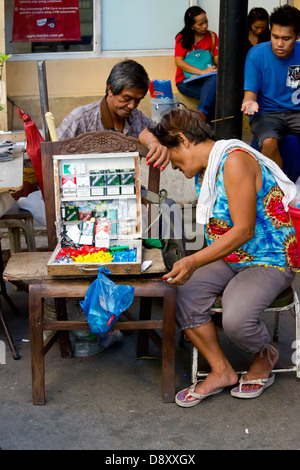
column 107, row 27
column 141, row 24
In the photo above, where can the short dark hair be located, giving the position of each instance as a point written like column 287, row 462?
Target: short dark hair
column 286, row 15
column 185, row 121
column 127, row 74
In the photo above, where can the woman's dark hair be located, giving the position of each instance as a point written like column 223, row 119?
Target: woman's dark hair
column 187, row 33
column 258, row 14
column 127, row 74
column 286, row 16
column 185, row 121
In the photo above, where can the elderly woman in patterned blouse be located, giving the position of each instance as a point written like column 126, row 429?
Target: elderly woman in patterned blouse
column 251, row 254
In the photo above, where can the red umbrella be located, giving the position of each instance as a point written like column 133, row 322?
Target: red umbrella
column 33, row 147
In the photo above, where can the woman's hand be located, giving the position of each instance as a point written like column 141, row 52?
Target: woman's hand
column 210, row 69
column 158, row 154
column 181, row 272
column 186, row 67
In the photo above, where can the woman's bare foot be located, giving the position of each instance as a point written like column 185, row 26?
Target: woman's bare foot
column 263, row 363
column 216, row 380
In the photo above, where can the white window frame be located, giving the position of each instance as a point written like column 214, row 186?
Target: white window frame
column 97, row 52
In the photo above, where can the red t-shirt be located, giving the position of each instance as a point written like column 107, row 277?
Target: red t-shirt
column 205, row 43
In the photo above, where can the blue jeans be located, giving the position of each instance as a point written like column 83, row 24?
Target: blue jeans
column 203, row 90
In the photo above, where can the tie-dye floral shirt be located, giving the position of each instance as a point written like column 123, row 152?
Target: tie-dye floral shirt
column 274, row 242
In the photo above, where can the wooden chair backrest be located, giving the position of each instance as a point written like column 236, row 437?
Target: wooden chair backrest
column 91, row 142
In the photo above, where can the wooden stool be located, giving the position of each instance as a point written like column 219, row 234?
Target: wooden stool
column 15, row 220
column 62, row 289
column 5, row 295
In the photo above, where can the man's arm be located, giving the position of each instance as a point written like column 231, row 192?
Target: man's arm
column 250, row 105
column 158, row 154
column 68, row 127
column 252, row 82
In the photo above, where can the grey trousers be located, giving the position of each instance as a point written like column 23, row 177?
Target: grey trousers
column 275, row 124
column 247, row 292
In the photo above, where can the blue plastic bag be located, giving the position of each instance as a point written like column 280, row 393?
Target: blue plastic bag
column 105, row 301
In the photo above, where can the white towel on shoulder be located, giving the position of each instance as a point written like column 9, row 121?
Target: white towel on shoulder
column 208, row 191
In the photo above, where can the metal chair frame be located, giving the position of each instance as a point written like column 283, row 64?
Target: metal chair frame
column 293, row 306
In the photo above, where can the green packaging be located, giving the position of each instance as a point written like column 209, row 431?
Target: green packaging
column 70, row 213
column 127, row 176
column 127, row 181
column 112, row 182
column 112, row 214
column 98, row 182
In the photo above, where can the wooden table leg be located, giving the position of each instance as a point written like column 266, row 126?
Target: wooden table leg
column 64, row 338
column 168, row 346
column 37, row 344
column 142, row 348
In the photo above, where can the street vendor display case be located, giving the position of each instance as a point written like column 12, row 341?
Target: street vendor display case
column 98, row 214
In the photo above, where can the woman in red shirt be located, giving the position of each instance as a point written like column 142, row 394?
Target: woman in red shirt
column 195, row 35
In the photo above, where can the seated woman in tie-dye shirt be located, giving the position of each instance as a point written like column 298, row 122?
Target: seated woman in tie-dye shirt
column 251, row 254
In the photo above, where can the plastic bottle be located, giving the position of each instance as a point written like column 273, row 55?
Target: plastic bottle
column 85, row 343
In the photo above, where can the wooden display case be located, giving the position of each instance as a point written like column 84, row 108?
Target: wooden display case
column 100, row 189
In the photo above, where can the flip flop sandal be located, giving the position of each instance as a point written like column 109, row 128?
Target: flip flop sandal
column 252, row 388
column 183, row 398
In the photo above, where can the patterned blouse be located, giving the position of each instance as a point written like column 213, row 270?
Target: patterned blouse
column 274, row 242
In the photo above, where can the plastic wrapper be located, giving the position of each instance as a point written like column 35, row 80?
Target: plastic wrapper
column 34, row 203
column 33, row 147
column 160, row 89
column 102, row 232
column 105, row 301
